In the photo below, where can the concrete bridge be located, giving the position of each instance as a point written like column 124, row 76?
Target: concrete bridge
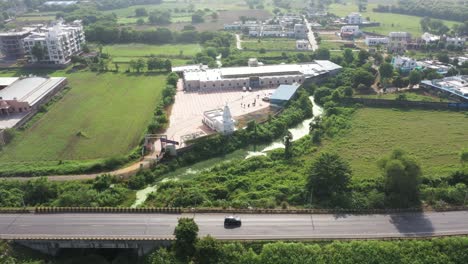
column 143, row 232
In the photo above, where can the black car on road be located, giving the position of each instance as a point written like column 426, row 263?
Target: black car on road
column 232, row 221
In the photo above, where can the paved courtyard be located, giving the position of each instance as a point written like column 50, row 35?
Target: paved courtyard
column 187, row 111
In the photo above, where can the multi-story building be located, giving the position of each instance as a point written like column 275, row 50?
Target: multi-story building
column 58, row 42
column 376, row 41
column 457, row 42
column 302, row 44
column 354, row 19
column 429, row 38
column 398, row 41
column 11, row 43
column 300, row 31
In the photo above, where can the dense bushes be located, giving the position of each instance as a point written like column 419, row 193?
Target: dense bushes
column 101, row 192
column 446, row 250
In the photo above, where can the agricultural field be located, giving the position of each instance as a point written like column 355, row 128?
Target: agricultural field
column 269, row 44
column 88, row 122
column 142, row 50
column 388, row 22
column 435, row 138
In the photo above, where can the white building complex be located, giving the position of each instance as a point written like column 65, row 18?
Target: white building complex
column 376, row 41
column 220, row 120
column 398, row 41
column 58, row 42
column 262, row 76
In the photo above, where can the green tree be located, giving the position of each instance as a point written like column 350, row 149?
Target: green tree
column 38, row 52
column 402, row 177
column 415, row 77
column 348, row 56
column 322, row 54
column 464, row 156
column 329, row 175
column 208, row 251
column 186, row 233
column 363, row 56
column 141, row 12
column 386, row 71
column 362, row 76
column 287, row 141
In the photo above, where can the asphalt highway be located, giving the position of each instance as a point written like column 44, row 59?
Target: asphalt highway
column 254, row 226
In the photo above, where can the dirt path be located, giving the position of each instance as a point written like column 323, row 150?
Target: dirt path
column 238, row 42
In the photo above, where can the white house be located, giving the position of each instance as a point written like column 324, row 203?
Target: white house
column 59, row 43
column 455, row 41
column 354, row 19
column 429, row 38
column 376, row 41
column 405, row 64
column 302, row 44
column 350, row 31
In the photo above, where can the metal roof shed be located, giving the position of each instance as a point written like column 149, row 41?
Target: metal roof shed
column 283, row 94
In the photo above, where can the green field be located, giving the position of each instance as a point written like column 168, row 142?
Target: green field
column 435, row 138
column 141, row 50
column 270, row 44
column 411, row 96
column 388, row 22
column 103, row 115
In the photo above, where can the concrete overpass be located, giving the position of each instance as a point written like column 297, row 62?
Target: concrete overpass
column 51, row 232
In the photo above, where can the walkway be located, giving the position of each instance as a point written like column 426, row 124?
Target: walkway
column 311, row 36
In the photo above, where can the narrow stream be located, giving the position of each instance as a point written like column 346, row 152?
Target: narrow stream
column 298, row 132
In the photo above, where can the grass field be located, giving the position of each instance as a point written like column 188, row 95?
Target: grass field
column 411, row 96
column 388, row 22
column 270, row 44
column 435, row 138
column 141, row 50
column 103, row 115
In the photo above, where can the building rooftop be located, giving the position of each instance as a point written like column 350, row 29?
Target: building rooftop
column 6, row 81
column 30, row 89
column 457, row 85
column 308, row 69
column 284, row 92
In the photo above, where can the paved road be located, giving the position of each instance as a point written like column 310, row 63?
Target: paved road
column 313, row 42
column 155, row 226
column 238, row 42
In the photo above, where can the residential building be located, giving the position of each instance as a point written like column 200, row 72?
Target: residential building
column 398, row 41
column 354, row 19
column 376, row 41
column 457, row 42
column 220, row 120
column 11, row 43
column 350, row 31
column 439, row 67
column 59, row 43
column 404, row 64
column 261, row 76
column 300, row 31
column 302, row 44
column 429, row 38
column 60, row 3
column 455, row 85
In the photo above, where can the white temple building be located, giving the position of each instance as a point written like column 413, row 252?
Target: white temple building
column 220, row 120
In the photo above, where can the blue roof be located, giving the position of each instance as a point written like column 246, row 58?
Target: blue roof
column 284, row 92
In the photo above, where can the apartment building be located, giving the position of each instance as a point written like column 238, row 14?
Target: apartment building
column 11, row 43
column 398, row 41
column 58, row 42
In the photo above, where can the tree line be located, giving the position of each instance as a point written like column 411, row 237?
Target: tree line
column 442, row 9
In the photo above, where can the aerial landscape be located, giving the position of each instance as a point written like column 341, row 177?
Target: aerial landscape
column 241, row 131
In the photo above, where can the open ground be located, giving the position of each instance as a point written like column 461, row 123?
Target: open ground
column 435, row 138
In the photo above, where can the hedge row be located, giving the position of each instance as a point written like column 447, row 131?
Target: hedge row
column 52, row 210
